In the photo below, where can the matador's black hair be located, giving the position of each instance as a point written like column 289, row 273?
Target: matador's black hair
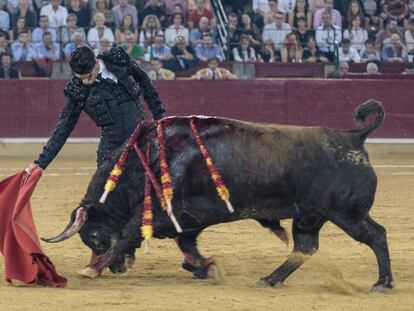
column 82, row 60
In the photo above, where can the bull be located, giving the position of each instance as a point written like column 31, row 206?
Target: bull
column 274, row 172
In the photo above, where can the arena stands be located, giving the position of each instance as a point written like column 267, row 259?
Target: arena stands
column 254, row 39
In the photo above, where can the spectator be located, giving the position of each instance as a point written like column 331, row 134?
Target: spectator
column 151, row 27
column 183, row 56
column 127, row 25
column 159, row 73
column 168, row 6
column 354, row 10
column 233, row 32
column 373, row 23
column 100, row 31
column 131, row 47
column 56, row 14
column 37, row 35
column 315, row 5
column 71, row 27
column 48, row 49
column 261, row 8
column 158, row 49
column 409, row 36
column 23, row 49
column 372, row 69
column 276, row 31
column 178, row 9
column 336, row 18
column 301, row 11
column 251, row 30
column 343, row 69
column 302, row 33
column 356, row 34
column 199, row 12
column 409, row 69
column 13, row 5
column 196, row 34
column 328, row 36
column 213, row 72
column 104, row 45
column 175, row 30
column 77, row 40
column 25, row 12
column 371, row 7
column 311, row 53
column 102, row 7
column 287, row 6
column 81, row 11
column 384, row 35
column 271, row 15
column 4, row 48
column 394, row 51
column 153, row 8
column 347, row 53
column 244, row 52
column 14, row 33
column 291, row 51
column 7, row 70
column 4, row 18
column 370, row 53
column 397, row 9
column 123, row 9
column 208, row 49
column 267, row 53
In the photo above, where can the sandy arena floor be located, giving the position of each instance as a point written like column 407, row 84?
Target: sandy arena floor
column 338, row 277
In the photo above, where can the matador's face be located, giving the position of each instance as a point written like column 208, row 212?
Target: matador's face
column 89, row 78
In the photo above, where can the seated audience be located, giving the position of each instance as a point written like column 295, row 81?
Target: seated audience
column 159, row 73
column 233, row 32
column 302, row 33
column 261, row 9
column 343, row 69
column 15, row 31
column 251, row 30
column 22, row 49
column 311, row 53
column 70, row 28
column 95, row 34
column 291, row 51
column 276, row 31
column 104, row 45
column 37, row 35
column 336, row 18
column 267, row 54
column 394, row 51
column 301, row 11
column 170, row 6
column 271, row 15
column 131, row 47
column 373, row 26
column 199, row 12
column 4, row 18
column 175, row 30
column 122, row 9
column 328, row 36
column 81, row 11
column 102, row 7
column 150, row 29
column 77, row 40
column 244, row 52
column 153, row 8
column 372, row 69
column 208, row 49
column 56, row 14
column 158, row 50
column 347, row 53
column 409, row 36
column 7, row 70
column 354, row 10
column 48, row 49
column 183, row 56
column 370, row 53
column 409, row 69
column 4, row 47
column 371, row 7
column 214, row 72
column 26, row 12
column 196, row 34
column 396, row 9
column 356, row 34
column 127, row 25
column 383, row 37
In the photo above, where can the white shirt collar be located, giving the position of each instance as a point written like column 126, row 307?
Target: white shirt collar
column 105, row 73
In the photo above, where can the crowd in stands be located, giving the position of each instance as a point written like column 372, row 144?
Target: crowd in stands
column 175, row 35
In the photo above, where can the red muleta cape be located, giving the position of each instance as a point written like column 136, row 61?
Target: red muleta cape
column 24, row 259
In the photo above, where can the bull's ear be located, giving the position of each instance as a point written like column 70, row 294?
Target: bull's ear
column 81, row 216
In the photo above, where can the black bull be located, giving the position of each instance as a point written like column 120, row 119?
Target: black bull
column 273, row 172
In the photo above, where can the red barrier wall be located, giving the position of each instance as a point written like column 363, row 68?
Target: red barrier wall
column 30, row 108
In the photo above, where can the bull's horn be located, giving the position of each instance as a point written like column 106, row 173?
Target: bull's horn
column 72, row 228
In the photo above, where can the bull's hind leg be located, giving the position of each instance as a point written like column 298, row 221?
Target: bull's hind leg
column 305, row 233
column 369, row 232
column 193, row 261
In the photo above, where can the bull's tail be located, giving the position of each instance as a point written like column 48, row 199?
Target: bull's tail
column 364, row 110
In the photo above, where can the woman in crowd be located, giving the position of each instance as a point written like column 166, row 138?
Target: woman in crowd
column 373, row 26
column 303, row 33
column 70, row 28
column 291, row 52
column 301, row 10
column 100, row 31
column 81, row 11
column 127, row 24
column 267, row 53
column 20, row 26
column 102, row 7
column 354, row 9
column 311, row 53
column 244, row 52
column 176, row 29
column 250, row 30
column 151, row 27
column 356, row 34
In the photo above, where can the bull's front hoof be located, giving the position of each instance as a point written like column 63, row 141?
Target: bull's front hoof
column 384, row 285
column 90, row 272
column 198, row 272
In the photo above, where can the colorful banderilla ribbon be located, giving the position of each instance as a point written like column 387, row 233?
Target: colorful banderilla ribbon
column 146, row 224
column 221, row 188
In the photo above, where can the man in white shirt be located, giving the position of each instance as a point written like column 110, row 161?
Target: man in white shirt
column 327, row 36
column 276, row 30
column 347, row 53
column 56, row 13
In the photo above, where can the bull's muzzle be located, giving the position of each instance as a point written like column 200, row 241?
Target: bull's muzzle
column 72, row 228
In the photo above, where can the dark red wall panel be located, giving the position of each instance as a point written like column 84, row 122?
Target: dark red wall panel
column 30, row 108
